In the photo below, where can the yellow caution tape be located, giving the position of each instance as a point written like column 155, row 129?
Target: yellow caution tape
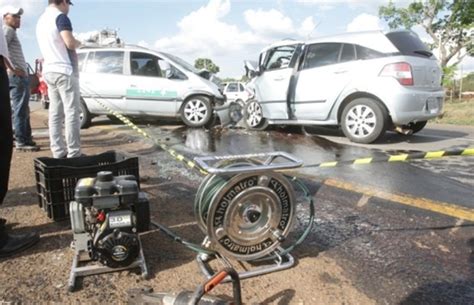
column 362, row 161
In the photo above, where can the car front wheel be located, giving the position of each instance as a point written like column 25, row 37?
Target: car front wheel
column 253, row 116
column 364, row 120
column 196, row 111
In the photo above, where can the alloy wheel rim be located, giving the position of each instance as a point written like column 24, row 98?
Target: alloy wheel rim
column 254, row 114
column 361, row 121
column 195, row 111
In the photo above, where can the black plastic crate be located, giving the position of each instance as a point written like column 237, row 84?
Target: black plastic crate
column 56, row 179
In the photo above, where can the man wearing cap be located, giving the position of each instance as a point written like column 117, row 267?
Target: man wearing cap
column 9, row 243
column 60, row 69
column 18, row 77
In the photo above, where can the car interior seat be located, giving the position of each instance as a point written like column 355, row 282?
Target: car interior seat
column 134, row 67
column 150, row 69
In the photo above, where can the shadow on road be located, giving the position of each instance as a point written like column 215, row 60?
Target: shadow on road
column 282, row 297
column 440, row 293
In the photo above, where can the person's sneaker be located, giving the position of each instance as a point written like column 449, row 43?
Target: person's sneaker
column 26, row 147
column 11, row 244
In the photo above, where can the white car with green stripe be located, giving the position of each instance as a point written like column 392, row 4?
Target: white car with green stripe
column 139, row 82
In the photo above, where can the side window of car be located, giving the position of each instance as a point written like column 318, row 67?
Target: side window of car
column 105, row 62
column 279, row 58
column 241, row 87
column 366, row 53
column 347, row 53
column 144, row 64
column 321, row 54
column 232, row 87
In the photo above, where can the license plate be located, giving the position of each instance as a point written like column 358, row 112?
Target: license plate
column 120, row 221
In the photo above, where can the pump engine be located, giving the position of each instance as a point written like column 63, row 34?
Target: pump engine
column 106, row 217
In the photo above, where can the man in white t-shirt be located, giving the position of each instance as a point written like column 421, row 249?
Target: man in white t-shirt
column 60, row 69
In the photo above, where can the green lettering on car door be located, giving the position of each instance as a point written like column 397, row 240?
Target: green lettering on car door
column 144, row 93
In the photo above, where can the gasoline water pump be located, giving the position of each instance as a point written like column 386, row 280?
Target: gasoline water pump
column 107, row 216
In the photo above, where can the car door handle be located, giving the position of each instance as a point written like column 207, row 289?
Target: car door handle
column 278, row 78
column 133, row 86
column 340, row 71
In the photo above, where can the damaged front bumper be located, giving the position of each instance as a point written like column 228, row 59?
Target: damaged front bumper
column 230, row 113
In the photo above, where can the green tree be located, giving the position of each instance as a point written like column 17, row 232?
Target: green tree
column 468, row 82
column 207, row 64
column 449, row 23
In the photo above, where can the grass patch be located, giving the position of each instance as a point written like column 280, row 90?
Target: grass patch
column 458, row 112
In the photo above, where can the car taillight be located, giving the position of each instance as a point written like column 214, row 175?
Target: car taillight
column 401, row 71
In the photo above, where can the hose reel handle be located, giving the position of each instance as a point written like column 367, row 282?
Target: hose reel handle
column 278, row 160
column 216, row 280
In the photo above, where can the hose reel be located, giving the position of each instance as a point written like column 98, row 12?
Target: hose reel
column 245, row 208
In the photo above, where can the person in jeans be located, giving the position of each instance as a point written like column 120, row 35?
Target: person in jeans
column 10, row 243
column 18, row 77
column 60, row 70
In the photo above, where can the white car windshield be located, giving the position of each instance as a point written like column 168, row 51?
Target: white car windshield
column 184, row 64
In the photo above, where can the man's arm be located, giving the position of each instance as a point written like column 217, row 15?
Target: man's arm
column 69, row 40
column 8, row 34
column 65, row 30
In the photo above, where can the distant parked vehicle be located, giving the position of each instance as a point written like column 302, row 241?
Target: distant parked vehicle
column 38, row 86
column 237, row 92
column 365, row 82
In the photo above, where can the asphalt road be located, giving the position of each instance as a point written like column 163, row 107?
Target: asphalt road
column 403, row 232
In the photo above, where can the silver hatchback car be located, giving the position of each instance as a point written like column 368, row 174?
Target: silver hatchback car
column 365, row 82
column 139, row 82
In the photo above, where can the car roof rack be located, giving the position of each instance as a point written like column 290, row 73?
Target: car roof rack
column 104, row 38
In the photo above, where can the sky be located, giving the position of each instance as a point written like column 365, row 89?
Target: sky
column 226, row 31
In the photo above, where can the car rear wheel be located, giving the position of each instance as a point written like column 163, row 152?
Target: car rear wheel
column 196, row 111
column 85, row 116
column 253, row 116
column 364, row 120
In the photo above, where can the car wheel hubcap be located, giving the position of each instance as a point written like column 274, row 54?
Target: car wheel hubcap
column 254, row 114
column 361, row 121
column 195, row 111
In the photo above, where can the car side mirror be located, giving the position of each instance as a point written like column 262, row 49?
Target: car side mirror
column 284, row 63
column 169, row 73
column 251, row 69
column 166, row 68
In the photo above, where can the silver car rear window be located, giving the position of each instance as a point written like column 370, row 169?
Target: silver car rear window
column 409, row 44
